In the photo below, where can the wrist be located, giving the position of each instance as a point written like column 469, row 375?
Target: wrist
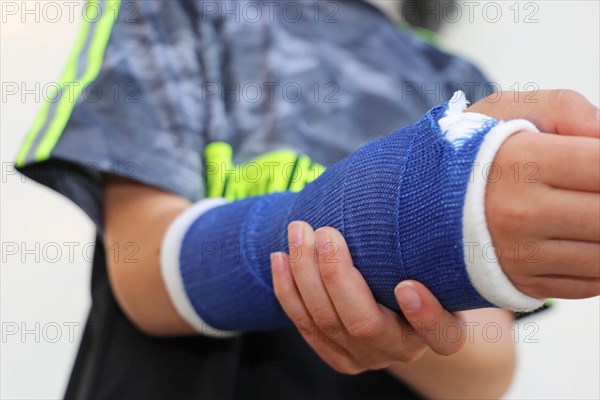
column 170, row 263
column 483, row 267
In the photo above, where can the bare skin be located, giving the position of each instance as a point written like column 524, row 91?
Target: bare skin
column 562, row 220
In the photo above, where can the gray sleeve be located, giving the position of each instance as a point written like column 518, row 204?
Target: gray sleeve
column 129, row 104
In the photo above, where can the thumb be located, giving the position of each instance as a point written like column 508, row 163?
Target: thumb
column 442, row 331
column 565, row 112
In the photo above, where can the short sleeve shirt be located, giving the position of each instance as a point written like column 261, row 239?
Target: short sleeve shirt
column 150, row 84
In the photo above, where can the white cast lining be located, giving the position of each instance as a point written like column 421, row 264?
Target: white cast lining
column 484, row 271
column 170, row 268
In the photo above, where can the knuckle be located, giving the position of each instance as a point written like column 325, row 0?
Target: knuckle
column 567, row 96
column 366, row 329
column 323, row 316
column 303, row 324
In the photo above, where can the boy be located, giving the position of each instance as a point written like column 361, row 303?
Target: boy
column 189, row 66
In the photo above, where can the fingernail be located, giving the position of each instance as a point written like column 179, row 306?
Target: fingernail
column 296, row 233
column 408, row 297
column 276, row 263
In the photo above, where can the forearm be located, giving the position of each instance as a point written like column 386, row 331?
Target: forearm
column 481, row 370
column 398, row 201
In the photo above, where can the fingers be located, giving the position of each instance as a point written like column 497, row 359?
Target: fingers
column 561, row 257
column 562, row 287
column 569, row 163
column 305, row 270
column 555, row 268
column 570, row 215
column 576, row 116
column 320, row 287
column 369, row 321
column 443, row 332
column 564, row 112
column 557, row 179
column 351, row 295
column 293, row 305
column 363, row 318
column 565, row 163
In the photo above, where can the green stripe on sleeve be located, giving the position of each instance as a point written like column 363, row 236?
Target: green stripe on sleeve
column 69, row 75
column 95, row 59
column 70, row 86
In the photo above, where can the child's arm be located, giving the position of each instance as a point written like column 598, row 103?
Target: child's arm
column 135, row 222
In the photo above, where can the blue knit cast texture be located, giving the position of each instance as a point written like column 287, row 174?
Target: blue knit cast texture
column 398, row 201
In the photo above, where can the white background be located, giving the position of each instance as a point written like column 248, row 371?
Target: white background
column 560, row 50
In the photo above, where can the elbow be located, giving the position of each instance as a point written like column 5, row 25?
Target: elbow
column 143, row 298
column 147, row 327
column 131, row 302
column 143, row 323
